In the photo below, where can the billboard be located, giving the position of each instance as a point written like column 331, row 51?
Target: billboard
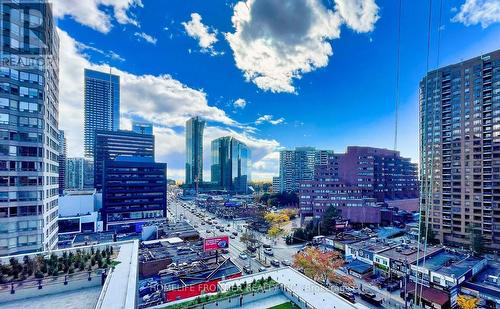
column 216, row 243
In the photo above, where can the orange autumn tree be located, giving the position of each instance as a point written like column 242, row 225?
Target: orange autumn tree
column 321, row 266
column 467, row 302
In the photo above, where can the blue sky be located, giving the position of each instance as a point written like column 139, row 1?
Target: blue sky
column 276, row 74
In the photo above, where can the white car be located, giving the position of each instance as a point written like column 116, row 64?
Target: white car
column 243, row 256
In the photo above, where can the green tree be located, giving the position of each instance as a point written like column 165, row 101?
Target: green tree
column 427, row 231
column 328, row 222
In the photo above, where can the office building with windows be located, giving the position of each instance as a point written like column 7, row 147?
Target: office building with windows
column 112, row 144
column 79, row 174
column 134, row 193
column 29, row 143
column 194, row 150
column 102, row 106
column 298, row 165
column 62, row 162
column 460, row 151
column 230, row 164
column 360, row 177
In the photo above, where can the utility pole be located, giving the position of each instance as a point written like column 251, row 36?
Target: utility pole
column 406, row 283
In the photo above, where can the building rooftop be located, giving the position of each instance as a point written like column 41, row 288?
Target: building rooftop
column 298, row 285
column 374, row 245
column 409, row 253
column 204, row 271
column 451, row 263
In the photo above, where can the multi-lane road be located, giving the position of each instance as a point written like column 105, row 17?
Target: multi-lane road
column 185, row 210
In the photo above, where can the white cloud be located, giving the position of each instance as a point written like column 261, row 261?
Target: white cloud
column 146, row 37
column 200, row 32
column 91, row 14
column 163, row 100
column 108, row 54
column 359, row 15
column 269, row 119
column 278, row 41
column 240, row 103
column 473, row 12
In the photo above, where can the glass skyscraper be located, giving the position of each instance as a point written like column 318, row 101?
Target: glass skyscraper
column 194, row 150
column 102, row 106
column 460, row 151
column 29, row 114
column 110, row 145
column 230, row 164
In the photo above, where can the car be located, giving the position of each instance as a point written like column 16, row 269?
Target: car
column 268, row 251
column 247, row 269
column 235, row 233
column 243, row 256
column 208, row 231
column 227, row 230
column 202, row 223
column 266, row 246
column 262, row 268
column 286, row 263
column 275, row 263
column 195, row 226
column 232, row 237
column 225, row 251
column 229, row 225
column 348, row 296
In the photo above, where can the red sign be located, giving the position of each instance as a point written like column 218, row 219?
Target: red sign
column 216, row 243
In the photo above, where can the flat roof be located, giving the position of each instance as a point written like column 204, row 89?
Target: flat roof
column 409, row 253
column 83, row 299
column 450, row 263
column 374, row 245
column 308, row 290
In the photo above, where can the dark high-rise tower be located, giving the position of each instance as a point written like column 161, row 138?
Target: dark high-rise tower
column 230, row 164
column 460, row 151
column 102, row 106
column 194, row 150
column 110, row 145
column 29, row 115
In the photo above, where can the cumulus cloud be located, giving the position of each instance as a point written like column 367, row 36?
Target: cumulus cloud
column 473, row 12
column 90, row 12
column 146, row 37
column 240, row 103
column 277, row 41
column 163, row 100
column 359, row 15
column 197, row 30
column 269, row 119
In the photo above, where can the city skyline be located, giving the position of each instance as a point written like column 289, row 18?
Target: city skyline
column 208, row 81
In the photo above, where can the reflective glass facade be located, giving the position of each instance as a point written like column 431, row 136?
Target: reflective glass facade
column 102, row 106
column 194, row 150
column 230, row 164
column 112, row 144
column 29, row 135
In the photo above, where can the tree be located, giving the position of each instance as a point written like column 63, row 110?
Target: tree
column 320, row 266
column 429, row 233
column 476, row 240
column 328, row 221
column 467, row 302
column 277, row 220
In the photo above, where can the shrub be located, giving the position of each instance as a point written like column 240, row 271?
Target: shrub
column 38, row 274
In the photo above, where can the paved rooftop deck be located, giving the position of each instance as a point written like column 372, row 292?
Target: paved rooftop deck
column 310, row 291
column 80, row 299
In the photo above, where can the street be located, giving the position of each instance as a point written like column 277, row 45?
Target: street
column 186, row 210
